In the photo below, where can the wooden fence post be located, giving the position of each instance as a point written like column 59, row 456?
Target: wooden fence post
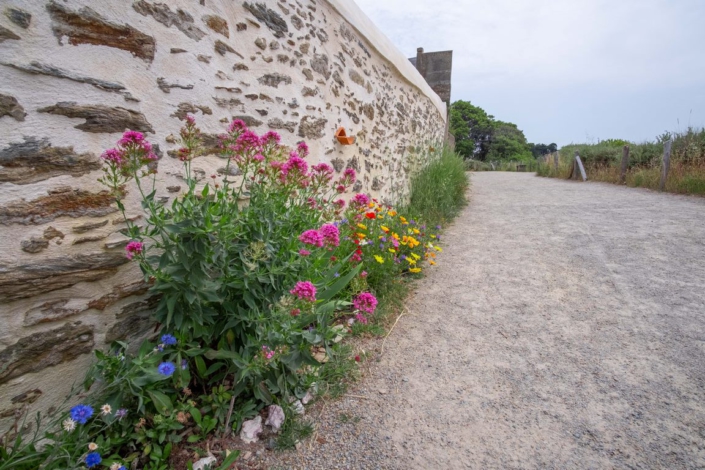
column 625, row 164
column 578, row 166
column 666, row 164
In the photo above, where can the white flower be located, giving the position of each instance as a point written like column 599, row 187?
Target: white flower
column 115, row 466
column 69, row 424
column 106, row 409
column 92, row 446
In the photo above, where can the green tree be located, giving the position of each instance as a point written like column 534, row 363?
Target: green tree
column 508, row 143
column 472, row 128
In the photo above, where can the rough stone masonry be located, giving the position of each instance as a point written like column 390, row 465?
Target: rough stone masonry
column 75, row 74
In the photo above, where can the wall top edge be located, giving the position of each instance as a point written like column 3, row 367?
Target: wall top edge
column 349, row 10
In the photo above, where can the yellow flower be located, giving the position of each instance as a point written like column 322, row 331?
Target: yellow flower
column 384, row 229
column 416, row 231
column 415, row 270
column 362, row 226
column 438, row 248
column 379, row 259
column 415, row 256
column 392, row 213
column 403, row 220
column 372, row 204
column 432, row 263
column 433, row 236
column 360, row 235
column 411, row 261
column 392, row 250
column 395, row 235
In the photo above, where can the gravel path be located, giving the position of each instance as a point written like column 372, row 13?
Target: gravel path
column 563, row 328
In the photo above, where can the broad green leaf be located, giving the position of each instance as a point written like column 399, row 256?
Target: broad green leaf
column 161, row 401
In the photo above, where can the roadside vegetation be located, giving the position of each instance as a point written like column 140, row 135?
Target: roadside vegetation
column 260, row 279
column 602, row 162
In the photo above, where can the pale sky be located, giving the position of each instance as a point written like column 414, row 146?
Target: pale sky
column 565, row 70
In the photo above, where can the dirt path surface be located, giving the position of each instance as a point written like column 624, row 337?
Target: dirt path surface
column 564, row 328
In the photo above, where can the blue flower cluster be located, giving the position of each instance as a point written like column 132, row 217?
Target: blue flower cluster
column 166, row 368
column 169, row 340
column 93, row 459
column 81, row 413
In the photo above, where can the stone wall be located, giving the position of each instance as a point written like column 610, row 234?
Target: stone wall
column 75, row 74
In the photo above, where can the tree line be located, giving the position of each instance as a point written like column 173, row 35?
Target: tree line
column 480, row 136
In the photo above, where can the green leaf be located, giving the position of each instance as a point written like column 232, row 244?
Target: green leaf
column 161, row 401
column 222, row 354
column 200, row 366
column 196, row 415
column 229, row 460
column 339, row 285
column 193, row 438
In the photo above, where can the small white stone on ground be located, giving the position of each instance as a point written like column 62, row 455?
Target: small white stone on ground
column 307, row 398
column 298, row 407
column 205, row 462
column 276, row 417
column 251, row 430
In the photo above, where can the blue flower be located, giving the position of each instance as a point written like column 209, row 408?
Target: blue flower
column 166, row 368
column 93, row 459
column 169, row 340
column 336, row 274
column 81, row 413
column 184, row 364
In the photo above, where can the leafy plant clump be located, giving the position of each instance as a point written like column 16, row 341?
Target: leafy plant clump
column 257, row 276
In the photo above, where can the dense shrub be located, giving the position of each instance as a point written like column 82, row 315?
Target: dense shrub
column 257, row 277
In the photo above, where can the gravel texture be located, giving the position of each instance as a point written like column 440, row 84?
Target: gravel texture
column 564, row 327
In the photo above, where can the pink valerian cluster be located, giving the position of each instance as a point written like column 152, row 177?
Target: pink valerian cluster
column 365, row 302
column 312, row 237
column 361, row 318
column 302, row 149
column 266, row 352
column 348, row 177
column 134, row 248
column 330, row 234
column 360, row 200
column 322, row 173
column 304, row 290
column 190, row 137
column 132, row 152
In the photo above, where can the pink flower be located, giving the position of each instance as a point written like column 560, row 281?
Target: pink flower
column 113, row 156
column 268, row 353
column 304, row 290
column 340, row 188
column 363, row 274
column 330, row 234
column 295, row 163
column 237, row 125
column 302, row 148
column 190, row 119
column 131, row 137
column 258, row 158
column 365, row 302
column 271, row 137
column 361, row 199
column 312, row 237
column 247, row 141
column 295, row 312
column 324, row 170
column 361, row 318
column 340, row 203
column 349, row 176
column 303, row 252
column 133, row 248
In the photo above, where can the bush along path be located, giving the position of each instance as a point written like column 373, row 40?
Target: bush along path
column 563, row 330
column 258, row 280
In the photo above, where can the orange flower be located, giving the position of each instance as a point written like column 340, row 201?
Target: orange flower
column 384, row 229
column 360, row 236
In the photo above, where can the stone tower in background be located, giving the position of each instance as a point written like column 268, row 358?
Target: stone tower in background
column 436, row 68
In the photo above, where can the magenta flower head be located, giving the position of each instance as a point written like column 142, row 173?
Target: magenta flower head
column 361, row 199
column 247, row 141
column 340, row 203
column 295, row 163
column 349, row 176
column 134, row 248
column 238, row 125
column 324, row 170
column 330, row 234
column 271, row 137
column 190, row 119
column 302, row 148
column 131, row 137
column 365, row 302
column 258, row 158
column 312, row 237
column 114, row 156
column 304, row 290
column 303, row 252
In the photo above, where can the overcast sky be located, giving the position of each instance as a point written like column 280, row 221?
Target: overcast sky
column 565, row 70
